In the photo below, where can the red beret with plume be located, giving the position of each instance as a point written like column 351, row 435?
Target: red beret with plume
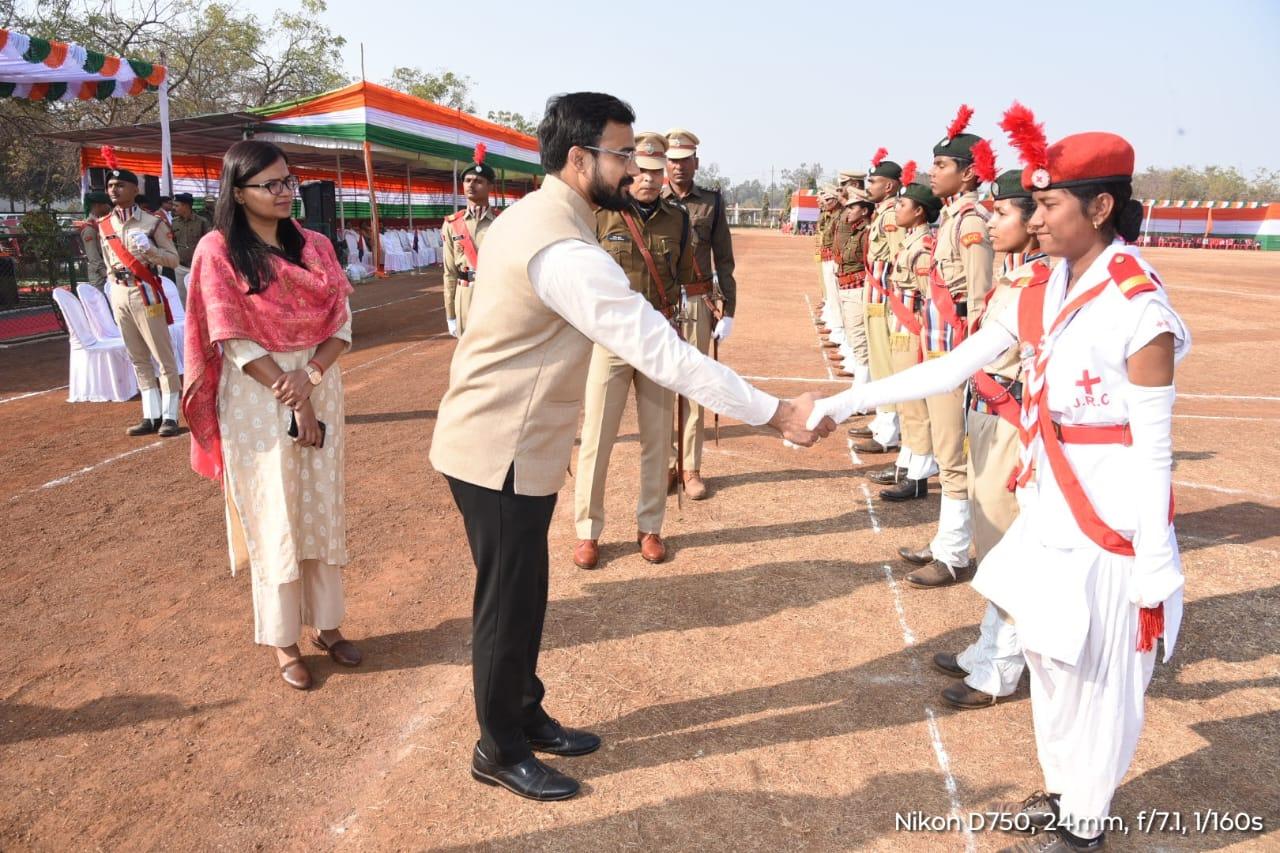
column 880, row 154
column 480, row 152
column 109, row 155
column 908, row 172
column 960, row 122
column 1026, row 135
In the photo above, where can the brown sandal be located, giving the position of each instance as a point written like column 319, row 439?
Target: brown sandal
column 343, row 652
column 296, row 675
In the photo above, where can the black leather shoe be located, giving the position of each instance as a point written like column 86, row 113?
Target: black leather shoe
column 146, row 426
column 939, row 574
column 962, row 696
column 946, row 663
column 556, row 739
column 168, row 428
column 530, row 778
column 1031, row 815
column 923, row 557
column 887, row 476
column 906, row 490
column 860, row 432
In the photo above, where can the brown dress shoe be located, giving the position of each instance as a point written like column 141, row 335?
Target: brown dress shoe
column 652, row 548
column 923, row 557
column 587, row 554
column 946, row 663
column 296, row 675
column 830, row 345
column 939, row 574
column 343, row 652
column 842, row 373
column 860, row 432
column 870, row 445
column 694, row 488
column 961, row 695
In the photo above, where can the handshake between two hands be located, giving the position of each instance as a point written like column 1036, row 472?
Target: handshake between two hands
column 807, row 418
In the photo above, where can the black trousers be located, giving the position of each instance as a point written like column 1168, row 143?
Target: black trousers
column 508, row 537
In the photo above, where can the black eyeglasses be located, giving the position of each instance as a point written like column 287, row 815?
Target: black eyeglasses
column 277, row 186
column 628, row 156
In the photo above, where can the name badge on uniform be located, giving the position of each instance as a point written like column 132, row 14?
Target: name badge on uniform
column 617, row 238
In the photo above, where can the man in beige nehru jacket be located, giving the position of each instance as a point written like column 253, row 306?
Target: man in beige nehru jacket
column 711, row 301
column 650, row 240
column 546, row 291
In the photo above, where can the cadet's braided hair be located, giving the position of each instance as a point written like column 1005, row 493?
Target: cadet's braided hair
column 577, row 118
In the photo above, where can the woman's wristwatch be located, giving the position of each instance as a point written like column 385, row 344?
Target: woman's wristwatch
column 314, row 373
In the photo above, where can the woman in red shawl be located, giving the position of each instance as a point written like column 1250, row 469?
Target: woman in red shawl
column 267, row 319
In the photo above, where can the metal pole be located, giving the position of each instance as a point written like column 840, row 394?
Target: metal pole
column 455, row 186
column 342, row 217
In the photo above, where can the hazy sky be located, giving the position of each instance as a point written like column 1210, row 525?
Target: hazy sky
column 774, row 83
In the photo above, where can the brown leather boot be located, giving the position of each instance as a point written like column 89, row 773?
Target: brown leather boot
column 961, row 695
column 652, row 548
column 939, row 574
column 587, row 554
column 694, row 488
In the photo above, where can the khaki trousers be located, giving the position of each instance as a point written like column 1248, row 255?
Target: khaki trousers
column 609, row 379
column 877, row 330
column 315, row 599
column 146, row 335
column 993, row 454
column 462, row 305
column 855, row 331
column 914, row 414
column 697, row 331
column 946, row 430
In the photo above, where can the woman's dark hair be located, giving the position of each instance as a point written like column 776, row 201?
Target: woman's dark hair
column 1126, row 216
column 249, row 255
column 577, row 118
column 1026, row 206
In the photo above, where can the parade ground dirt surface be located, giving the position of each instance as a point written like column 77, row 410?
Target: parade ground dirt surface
column 768, row 688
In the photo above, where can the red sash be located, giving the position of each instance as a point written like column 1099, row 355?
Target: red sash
column 458, row 227
column 1030, row 318
column 940, row 294
column 141, row 273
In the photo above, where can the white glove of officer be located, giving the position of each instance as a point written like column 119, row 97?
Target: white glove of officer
column 839, row 407
column 453, row 327
column 723, row 329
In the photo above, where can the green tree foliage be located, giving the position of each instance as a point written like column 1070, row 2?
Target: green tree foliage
column 1210, row 183
column 515, row 121
column 440, row 87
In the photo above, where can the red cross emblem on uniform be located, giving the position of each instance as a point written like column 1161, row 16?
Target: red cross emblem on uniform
column 1087, row 382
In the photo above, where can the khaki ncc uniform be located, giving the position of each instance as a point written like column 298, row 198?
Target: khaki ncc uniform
column 884, row 239
column 666, row 232
column 186, row 234
column 140, row 315
column 909, row 277
column 96, row 267
column 458, row 273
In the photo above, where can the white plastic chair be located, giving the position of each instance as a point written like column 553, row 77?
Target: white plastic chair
column 427, row 245
column 97, row 311
column 178, row 328
column 394, row 257
column 100, row 370
column 357, row 267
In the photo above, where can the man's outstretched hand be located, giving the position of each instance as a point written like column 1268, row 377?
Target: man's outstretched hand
column 791, row 420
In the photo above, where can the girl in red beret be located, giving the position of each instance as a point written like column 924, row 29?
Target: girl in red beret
column 1089, row 570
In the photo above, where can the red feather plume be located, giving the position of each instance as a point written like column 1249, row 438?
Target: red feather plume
column 880, row 154
column 1027, row 135
column 961, row 121
column 480, row 152
column 109, row 154
column 984, row 161
column 908, row 172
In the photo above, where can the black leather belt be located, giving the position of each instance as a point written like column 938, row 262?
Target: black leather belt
column 467, row 275
column 977, row 402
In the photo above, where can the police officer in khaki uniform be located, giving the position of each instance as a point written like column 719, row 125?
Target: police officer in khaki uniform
column 849, row 250
column 187, row 231
column 462, row 235
column 96, row 268
column 884, row 239
column 135, row 244
column 666, row 236
column 909, row 280
column 963, row 263
column 831, row 327
column 711, row 300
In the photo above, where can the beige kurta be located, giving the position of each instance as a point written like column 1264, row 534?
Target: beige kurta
column 285, row 503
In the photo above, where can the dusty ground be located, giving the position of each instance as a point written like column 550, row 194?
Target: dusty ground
column 766, row 689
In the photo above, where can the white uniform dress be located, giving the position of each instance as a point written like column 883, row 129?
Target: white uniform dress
column 286, row 513
column 1070, row 598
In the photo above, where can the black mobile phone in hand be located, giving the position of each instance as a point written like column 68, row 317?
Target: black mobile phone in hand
column 293, row 428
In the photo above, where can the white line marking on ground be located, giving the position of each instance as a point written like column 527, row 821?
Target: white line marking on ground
column 397, row 301
column 1224, row 418
column 853, row 453
column 1186, row 484
column 75, row 475
column 830, row 374
column 908, row 638
column 871, row 509
column 33, row 394
column 953, row 790
column 1226, row 397
column 364, row 364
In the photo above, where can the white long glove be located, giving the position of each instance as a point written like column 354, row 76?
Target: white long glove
column 936, row 376
column 723, row 328
column 1157, row 570
column 453, row 327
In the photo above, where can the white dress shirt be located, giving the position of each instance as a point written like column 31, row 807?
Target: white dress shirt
column 581, row 283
